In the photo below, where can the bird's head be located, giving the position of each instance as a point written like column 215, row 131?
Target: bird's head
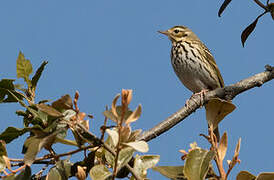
column 179, row 34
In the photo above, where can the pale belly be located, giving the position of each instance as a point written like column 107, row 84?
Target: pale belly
column 194, row 78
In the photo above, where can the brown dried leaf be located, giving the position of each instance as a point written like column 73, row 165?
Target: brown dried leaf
column 108, row 114
column 81, row 173
column 49, row 110
column 85, row 123
column 65, row 102
column 249, row 29
column 222, row 147
column 126, row 96
column 113, row 106
column 237, row 149
column 216, row 110
column 3, row 150
column 81, row 116
column 271, row 9
column 222, row 8
column 125, row 133
column 135, row 115
column 76, row 97
column 134, row 135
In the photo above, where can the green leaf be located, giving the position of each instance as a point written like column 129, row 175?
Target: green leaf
column 31, row 148
column 38, row 117
column 172, row 172
column 6, row 88
column 90, row 138
column 206, row 162
column 140, row 146
column 63, row 127
column 99, row 172
column 197, row 164
column 124, row 157
column 109, row 157
column 245, row 175
column 3, row 150
column 23, row 68
column 54, row 174
column 78, row 138
column 34, row 144
column 142, row 163
column 12, row 133
column 113, row 135
column 37, row 75
column 66, row 141
column 62, row 170
column 108, row 114
column 128, row 112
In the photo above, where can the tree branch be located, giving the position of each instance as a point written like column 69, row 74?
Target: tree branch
column 260, row 4
column 195, row 102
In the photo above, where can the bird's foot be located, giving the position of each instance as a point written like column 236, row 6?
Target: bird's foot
column 201, row 93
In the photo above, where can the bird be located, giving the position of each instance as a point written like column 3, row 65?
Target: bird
column 196, row 68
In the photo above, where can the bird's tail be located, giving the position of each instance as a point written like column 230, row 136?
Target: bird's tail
column 216, row 110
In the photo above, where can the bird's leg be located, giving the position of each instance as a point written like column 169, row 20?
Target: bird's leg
column 201, row 93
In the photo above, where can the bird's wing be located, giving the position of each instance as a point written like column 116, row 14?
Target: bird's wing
column 213, row 64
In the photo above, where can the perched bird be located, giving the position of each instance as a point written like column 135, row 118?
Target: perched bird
column 197, row 70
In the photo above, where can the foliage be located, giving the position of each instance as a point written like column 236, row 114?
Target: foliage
column 47, row 124
column 268, row 8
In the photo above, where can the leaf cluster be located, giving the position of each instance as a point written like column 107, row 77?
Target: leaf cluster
column 49, row 123
column 268, row 8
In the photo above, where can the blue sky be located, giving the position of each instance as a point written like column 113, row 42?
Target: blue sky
column 100, row 47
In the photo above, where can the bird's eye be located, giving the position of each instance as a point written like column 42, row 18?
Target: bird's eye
column 176, row 31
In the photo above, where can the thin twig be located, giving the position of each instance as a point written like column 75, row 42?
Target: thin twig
column 260, row 4
column 39, row 174
column 35, row 162
column 75, row 151
column 118, row 148
column 103, row 128
column 40, row 159
column 214, row 146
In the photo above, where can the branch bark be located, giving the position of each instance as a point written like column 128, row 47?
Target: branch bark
column 195, row 102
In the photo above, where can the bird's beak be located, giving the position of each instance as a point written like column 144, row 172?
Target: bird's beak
column 164, row 32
